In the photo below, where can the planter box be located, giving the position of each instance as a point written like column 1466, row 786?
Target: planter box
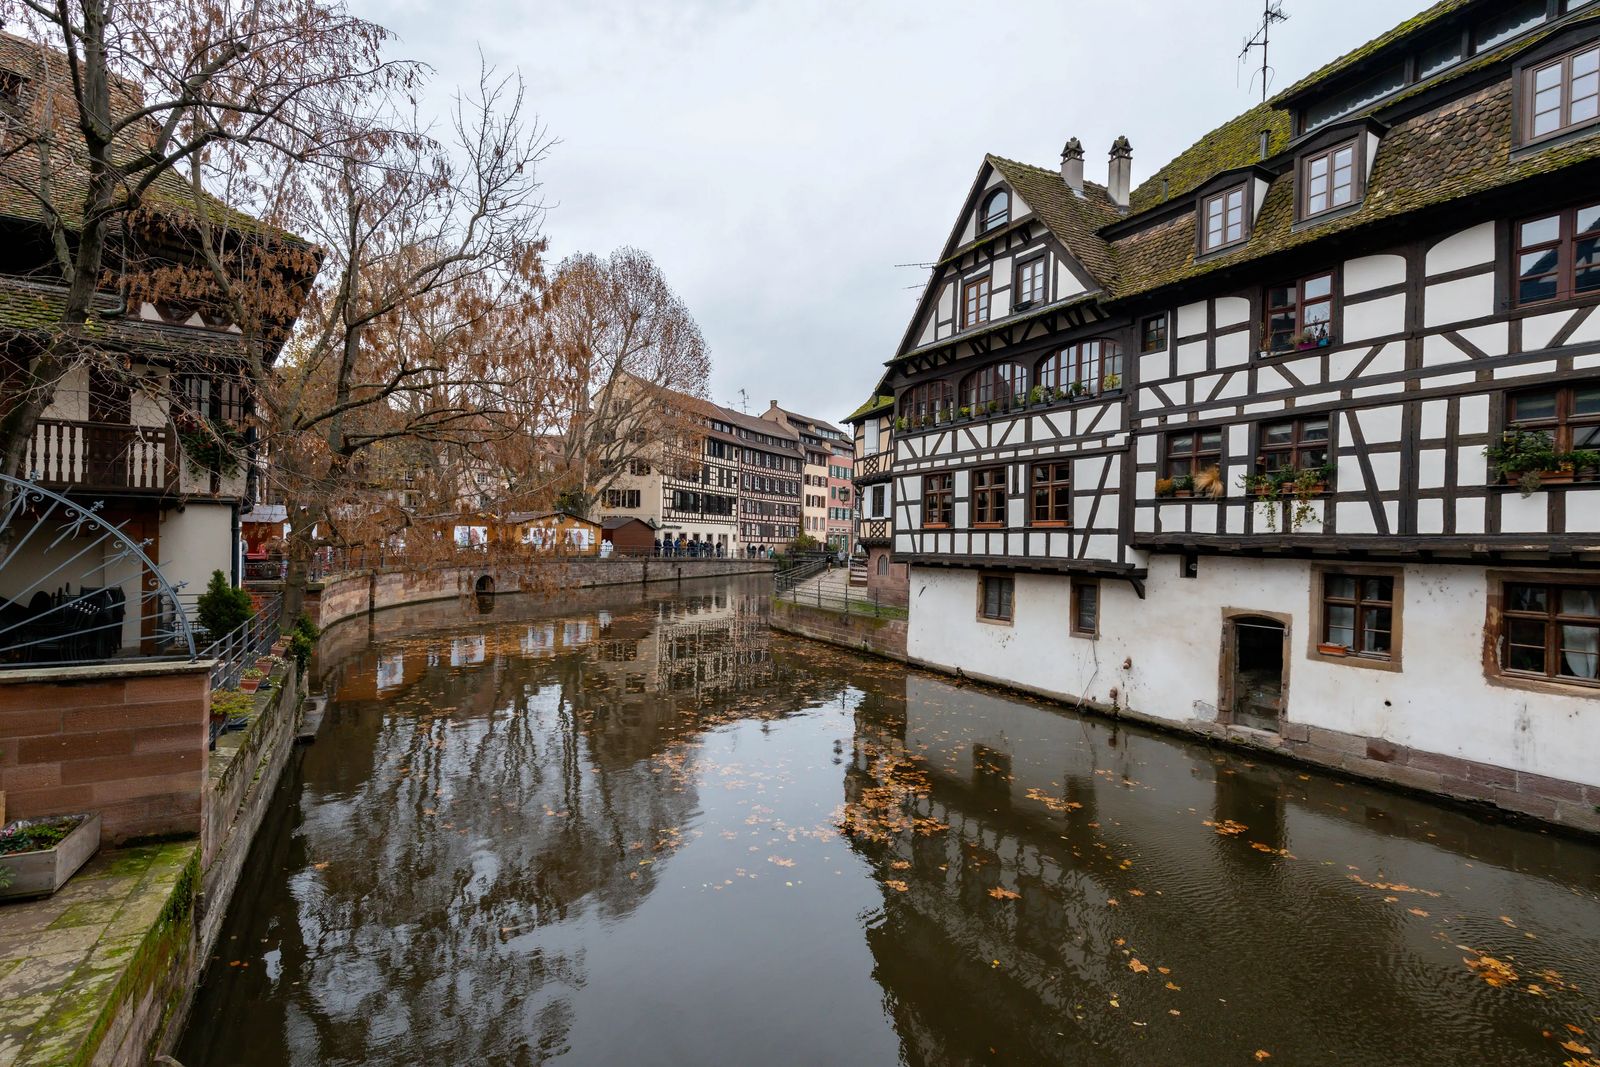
column 249, row 685
column 1333, row 650
column 39, row 874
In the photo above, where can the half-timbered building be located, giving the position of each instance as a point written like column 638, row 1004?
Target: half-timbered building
column 1297, row 442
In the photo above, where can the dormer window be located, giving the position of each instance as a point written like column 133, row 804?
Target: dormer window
column 1223, row 219
column 1564, row 93
column 996, row 211
column 13, row 90
column 1330, row 179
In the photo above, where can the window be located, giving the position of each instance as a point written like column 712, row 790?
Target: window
column 1029, row 283
column 883, row 566
column 1085, row 607
column 975, row 302
column 922, row 404
column 1558, row 256
column 1330, row 179
column 995, row 593
column 1551, row 631
column 1153, row 334
column 880, row 502
column 1569, row 414
column 1358, row 613
column 989, row 497
column 993, row 388
column 1084, row 369
column 1355, row 98
column 13, row 90
column 1050, row 494
column 1297, row 444
column 622, row 498
column 1507, row 23
column 1191, row 452
column 996, row 211
column 938, row 499
column 1299, row 313
column 220, row 397
column 1222, row 219
column 1562, row 94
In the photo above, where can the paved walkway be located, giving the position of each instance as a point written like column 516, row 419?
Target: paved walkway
column 61, row 956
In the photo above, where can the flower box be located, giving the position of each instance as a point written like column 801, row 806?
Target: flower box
column 1315, row 490
column 1183, row 492
column 42, row 872
column 1332, row 650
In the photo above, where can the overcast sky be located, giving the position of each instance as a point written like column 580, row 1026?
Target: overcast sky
column 779, row 159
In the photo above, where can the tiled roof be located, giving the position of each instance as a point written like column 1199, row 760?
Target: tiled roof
column 1459, row 151
column 1074, row 220
column 1408, row 28
column 33, row 308
column 873, row 406
column 1234, row 144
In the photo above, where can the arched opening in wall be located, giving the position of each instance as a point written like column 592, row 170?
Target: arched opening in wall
column 1254, row 669
column 483, row 590
column 883, row 565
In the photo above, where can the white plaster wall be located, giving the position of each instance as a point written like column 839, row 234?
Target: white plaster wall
column 1440, row 702
column 196, row 541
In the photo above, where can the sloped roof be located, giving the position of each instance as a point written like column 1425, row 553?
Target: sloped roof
column 1234, row 144
column 35, row 309
column 1459, row 151
column 1410, row 27
column 1072, row 219
column 873, row 406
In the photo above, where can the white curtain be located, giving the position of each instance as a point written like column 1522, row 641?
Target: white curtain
column 1581, row 650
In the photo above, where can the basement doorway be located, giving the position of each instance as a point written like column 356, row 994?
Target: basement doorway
column 1256, row 682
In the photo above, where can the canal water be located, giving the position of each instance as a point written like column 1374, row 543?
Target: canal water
column 643, row 829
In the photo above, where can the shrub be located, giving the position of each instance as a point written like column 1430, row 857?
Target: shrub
column 222, row 608
column 303, row 639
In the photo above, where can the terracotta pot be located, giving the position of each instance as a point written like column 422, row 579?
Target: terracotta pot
column 1183, row 492
column 249, row 685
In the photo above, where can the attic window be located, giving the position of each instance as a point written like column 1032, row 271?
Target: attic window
column 1506, row 24
column 1564, row 93
column 996, row 211
column 1223, row 219
column 1330, row 179
column 13, row 87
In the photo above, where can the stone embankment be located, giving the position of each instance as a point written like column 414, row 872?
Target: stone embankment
column 364, row 592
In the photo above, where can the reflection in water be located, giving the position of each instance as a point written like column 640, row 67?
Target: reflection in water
column 647, row 830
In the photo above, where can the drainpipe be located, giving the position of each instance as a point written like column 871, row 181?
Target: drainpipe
column 238, row 550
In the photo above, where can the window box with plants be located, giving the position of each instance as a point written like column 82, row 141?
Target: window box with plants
column 37, row 856
column 1301, row 485
column 1528, row 460
column 1110, row 385
column 210, row 445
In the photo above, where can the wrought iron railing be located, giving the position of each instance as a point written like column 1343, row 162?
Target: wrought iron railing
column 100, row 455
column 238, row 651
column 800, row 570
column 846, row 602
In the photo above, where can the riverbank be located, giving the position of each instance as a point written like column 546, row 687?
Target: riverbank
column 365, row 592
column 103, row 972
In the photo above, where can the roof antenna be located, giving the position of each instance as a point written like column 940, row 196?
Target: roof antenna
column 1271, row 13
column 744, row 401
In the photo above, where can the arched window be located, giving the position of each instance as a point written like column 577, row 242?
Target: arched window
column 996, row 211
column 993, row 388
column 883, row 565
column 1087, row 368
column 926, row 404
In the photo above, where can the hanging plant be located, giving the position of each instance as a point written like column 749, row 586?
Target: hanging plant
column 210, row 445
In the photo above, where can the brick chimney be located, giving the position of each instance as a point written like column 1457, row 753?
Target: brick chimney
column 1072, row 166
column 1119, row 179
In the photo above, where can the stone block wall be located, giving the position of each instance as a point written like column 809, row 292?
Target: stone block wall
column 860, row 633
column 128, row 741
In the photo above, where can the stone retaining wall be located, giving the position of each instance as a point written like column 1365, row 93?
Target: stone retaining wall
column 347, row 595
column 126, row 740
column 859, row 633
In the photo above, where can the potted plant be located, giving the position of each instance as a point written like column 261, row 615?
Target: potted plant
column 250, row 681
column 1166, row 487
column 1528, row 459
column 1038, row 395
column 1183, row 485
column 994, row 407
column 900, row 422
column 965, row 412
column 1075, row 390
column 1583, row 462
column 1111, row 383
column 1209, row 483
column 1305, row 486
column 37, row 856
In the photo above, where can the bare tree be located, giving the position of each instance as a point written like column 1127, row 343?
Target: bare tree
column 126, row 101
column 633, row 363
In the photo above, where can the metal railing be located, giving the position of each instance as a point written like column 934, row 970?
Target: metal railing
column 798, row 571
column 868, row 603
column 238, row 651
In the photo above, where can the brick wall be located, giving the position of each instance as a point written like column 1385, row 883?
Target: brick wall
column 128, row 741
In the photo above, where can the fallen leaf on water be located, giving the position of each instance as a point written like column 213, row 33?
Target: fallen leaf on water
column 1573, row 1046
column 320, row 866
column 1136, row 892
column 780, row 861
column 1112, row 902
column 1418, row 912
column 1174, row 988
column 1164, row 970
column 1495, row 972
column 1262, row 1054
column 1507, row 920
column 1138, row 968
column 1227, row 827
column 901, row 865
column 1575, row 1029
column 1002, row 893
column 1174, row 1011
column 897, row 885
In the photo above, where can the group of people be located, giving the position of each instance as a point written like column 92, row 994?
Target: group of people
column 694, row 548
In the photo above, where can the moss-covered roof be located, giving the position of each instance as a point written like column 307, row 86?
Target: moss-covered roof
column 1460, row 151
column 1234, row 144
column 874, row 406
column 35, row 309
column 1409, row 28
column 1073, row 220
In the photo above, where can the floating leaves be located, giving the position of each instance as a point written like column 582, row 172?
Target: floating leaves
column 1227, row 827
column 1495, row 972
column 1002, row 893
column 897, row 885
column 1138, row 968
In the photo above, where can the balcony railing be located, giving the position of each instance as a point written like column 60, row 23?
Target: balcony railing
column 100, row 455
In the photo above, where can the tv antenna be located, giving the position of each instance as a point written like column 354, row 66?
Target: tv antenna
column 744, row 401
column 1271, row 14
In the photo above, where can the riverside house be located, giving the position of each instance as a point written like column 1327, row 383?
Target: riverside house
column 1298, row 442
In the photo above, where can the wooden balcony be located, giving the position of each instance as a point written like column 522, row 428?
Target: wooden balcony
column 101, row 456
